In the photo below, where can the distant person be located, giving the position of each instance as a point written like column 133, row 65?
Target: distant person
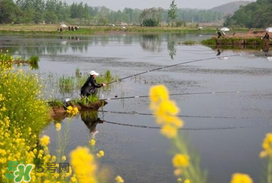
column 266, row 36
column 90, row 86
column 69, row 28
column 72, row 28
column 219, row 33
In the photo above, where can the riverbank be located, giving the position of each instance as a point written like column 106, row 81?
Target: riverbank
column 88, row 30
column 250, row 38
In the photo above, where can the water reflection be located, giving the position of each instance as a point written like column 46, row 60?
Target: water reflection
column 151, row 42
column 171, row 41
column 91, row 120
column 53, row 45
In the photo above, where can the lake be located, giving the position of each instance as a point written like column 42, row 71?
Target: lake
column 226, row 129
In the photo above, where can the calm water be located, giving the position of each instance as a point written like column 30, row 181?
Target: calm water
column 225, row 129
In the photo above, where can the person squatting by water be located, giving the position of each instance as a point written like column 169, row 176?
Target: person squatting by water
column 90, row 87
column 219, row 33
column 266, row 36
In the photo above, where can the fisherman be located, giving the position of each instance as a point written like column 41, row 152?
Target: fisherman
column 90, row 86
column 219, row 33
column 266, row 36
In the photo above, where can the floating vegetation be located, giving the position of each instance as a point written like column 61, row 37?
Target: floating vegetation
column 189, row 42
column 236, row 41
column 7, row 60
column 33, row 61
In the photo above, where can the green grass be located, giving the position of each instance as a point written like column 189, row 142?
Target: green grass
column 55, row 103
column 33, row 61
column 86, row 30
column 189, row 42
column 66, row 84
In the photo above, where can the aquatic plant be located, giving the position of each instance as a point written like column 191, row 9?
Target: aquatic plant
column 66, row 84
column 33, row 61
column 189, row 42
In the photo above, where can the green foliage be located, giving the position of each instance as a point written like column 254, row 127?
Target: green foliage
column 151, row 17
column 150, row 23
column 211, row 41
column 9, row 12
column 56, row 103
column 172, row 12
column 33, row 60
column 256, row 14
column 66, row 84
column 189, row 42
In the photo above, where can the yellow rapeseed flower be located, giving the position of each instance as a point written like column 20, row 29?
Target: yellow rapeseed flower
column 169, row 131
column 92, row 142
column 119, row 179
column 241, row 178
column 100, row 154
column 179, row 179
column 158, row 93
column 267, row 146
column 63, row 158
column 84, row 165
column 58, row 127
column 187, row 181
column 181, row 160
column 45, row 140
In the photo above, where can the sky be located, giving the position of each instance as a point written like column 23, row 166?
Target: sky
column 142, row 4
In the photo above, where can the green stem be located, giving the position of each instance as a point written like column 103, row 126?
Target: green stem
column 269, row 171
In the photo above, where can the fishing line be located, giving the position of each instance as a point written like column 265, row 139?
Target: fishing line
column 173, row 65
column 182, row 129
column 182, row 116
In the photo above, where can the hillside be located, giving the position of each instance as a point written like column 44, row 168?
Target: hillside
column 253, row 15
column 230, row 8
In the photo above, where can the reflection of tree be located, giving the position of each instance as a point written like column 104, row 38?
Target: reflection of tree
column 44, row 45
column 151, row 42
column 171, row 41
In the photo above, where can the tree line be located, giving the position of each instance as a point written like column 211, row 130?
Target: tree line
column 257, row 14
column 56, row 11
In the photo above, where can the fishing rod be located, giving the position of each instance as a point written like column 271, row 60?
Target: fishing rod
column 168, row 66
column 177, row 94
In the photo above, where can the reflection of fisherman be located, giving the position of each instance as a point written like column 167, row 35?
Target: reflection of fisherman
column 90, row 86
column 265, row 49
column 91, row 120
column 218, row 52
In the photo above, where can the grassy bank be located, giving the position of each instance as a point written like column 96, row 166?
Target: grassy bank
column 236, row 41
column 86, row 30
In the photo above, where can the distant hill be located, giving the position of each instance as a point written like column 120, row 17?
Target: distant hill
column 230, row 8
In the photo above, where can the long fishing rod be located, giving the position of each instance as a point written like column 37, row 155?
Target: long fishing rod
column 168, row 66
column 177, row 94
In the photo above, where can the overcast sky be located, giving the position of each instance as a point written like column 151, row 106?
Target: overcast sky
column 141, row 4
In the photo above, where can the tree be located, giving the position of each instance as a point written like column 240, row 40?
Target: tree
column 151, row 17
column 8, row 11
column 172, row 12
